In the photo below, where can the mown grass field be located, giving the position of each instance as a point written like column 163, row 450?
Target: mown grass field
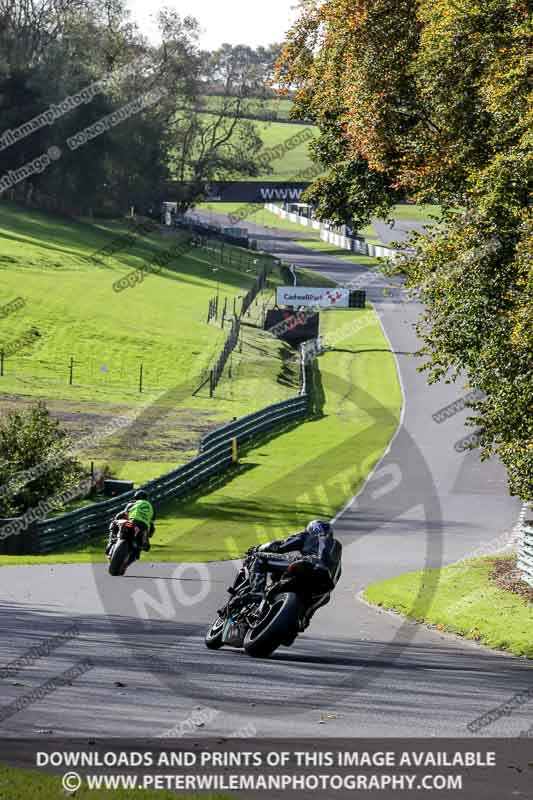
column 71, row 311
column 461, row 599
column 295, row 160
column 309, row 471
column 281, row 105
column 292, row 163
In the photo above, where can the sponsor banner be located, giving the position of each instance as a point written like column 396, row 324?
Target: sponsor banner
column 238, row 191
column 312, row 296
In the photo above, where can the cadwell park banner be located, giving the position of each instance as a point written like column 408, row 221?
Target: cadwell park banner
column 312, row 297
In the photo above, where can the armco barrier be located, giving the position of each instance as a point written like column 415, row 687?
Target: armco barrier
column 525, row 552
column 77, row 527
column 25, row 544
column 291, row 216
column 246, row 428
column 359, row 245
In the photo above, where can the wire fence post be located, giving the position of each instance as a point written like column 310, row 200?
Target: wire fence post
column 140, row 379
column 2, row 356
column 224, row 311
column 71, row 373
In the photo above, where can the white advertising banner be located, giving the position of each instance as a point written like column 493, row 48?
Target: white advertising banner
column 312, row 296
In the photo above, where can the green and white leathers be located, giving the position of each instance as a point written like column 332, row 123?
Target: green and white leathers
column 141, row 511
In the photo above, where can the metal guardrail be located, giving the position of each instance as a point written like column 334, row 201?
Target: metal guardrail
column 247, row 427
column 357, row 244
column 79, row 526
column 525, row 551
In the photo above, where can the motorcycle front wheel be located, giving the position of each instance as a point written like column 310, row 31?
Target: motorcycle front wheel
column 213, row 637
column 279, row 623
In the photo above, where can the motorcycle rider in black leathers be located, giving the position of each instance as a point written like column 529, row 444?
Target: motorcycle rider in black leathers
column 317, row 544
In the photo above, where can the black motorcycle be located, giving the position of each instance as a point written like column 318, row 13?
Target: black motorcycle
column 261, row 626
column 127, row 547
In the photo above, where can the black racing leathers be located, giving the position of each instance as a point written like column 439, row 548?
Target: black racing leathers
column 326, row 551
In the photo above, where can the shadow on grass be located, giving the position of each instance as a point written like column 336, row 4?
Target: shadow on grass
column 370, row 350
column 59, row 234
column 188, row 502
column 315, row 390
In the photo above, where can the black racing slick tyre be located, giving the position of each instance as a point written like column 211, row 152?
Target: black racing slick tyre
column 120, row 558
column 213, row 637
column 278, row 625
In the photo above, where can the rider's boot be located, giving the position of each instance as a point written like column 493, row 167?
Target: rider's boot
column 304, row 622
column 146, row 546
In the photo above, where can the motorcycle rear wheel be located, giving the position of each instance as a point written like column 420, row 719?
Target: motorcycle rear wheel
column 120, row 558
column 279, row 624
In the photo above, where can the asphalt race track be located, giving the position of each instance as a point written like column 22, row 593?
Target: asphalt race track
column 355, row 672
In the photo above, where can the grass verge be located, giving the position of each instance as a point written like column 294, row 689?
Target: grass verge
column 328, row 249
column 308, row 471
column 19, row 784
column 461, row 599
column 257, row 214
column 415, row 213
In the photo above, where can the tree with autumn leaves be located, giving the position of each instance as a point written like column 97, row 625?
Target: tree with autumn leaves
column 431, row 100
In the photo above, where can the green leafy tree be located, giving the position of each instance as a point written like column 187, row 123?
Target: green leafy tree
column 35, row 461
column 50, row 49
column 432, row 100
column 209, row 137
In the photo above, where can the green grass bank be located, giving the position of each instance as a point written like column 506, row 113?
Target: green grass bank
column 461, row 599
